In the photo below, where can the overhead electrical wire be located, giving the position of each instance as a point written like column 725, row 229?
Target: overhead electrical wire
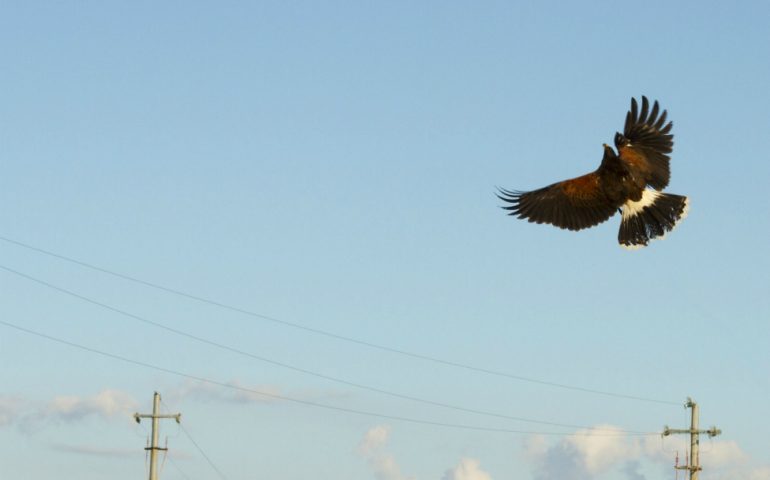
column 316, row 404
column 281, row 364
column 198, row 447
column 208, row 460
column 181, row 472
column 329, row 334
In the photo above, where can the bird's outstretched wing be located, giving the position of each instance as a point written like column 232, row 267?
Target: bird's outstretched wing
column 572, row 204
column 646, row 143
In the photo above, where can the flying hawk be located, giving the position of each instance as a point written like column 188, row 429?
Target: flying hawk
column 630, row 182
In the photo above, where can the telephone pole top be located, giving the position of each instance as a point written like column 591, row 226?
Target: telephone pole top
column 694, row 464
column 154, row 448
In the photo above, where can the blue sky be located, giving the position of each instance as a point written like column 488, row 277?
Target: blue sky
column 333, row 165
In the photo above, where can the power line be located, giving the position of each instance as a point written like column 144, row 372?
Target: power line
column 284, row 365
column 181, row 472
column 336, row 336
column 187, row 434
column 198, row 447
column 214, row 467
column 307, row 402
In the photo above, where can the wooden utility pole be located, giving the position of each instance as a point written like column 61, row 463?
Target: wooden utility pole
column 154, row 448
column 693, row 465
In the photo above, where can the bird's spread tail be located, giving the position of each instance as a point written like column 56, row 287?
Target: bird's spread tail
column 654, row 215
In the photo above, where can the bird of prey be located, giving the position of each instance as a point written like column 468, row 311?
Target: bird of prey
column 630, row 182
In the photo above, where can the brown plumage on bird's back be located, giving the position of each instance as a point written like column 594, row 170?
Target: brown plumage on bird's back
column 581, row 187
column 634, row 160
column 620, row 182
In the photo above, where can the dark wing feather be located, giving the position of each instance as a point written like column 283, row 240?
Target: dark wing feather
column 648, row 142
column 572, row 204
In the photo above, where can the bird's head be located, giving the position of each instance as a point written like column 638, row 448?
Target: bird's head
column 608, row 152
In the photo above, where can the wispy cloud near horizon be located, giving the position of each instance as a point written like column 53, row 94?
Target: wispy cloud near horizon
column 10, row 406
column 240, row 393
column 31, row 415
column 97, row 451
column 244, row 393
column 106, row 404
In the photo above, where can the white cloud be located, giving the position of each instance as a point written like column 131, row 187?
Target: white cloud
column 592, row 456
column 375, row 438
column 383, row 464
column 588, row 454
column 97, row 450
column 386, row 468
column 600, row 452
column 107, row 403
column 631, row 470
column 467, row 469
column 722, row 454
column 10, row 409
column 719, row 458
column 559, row 461
column 31, row 416
column 738, row 473
column 240, row 393
column 760, row 473
column 535, row 446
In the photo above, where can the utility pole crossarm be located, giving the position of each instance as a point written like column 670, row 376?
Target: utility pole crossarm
column 711, row 432
column 175, row 416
